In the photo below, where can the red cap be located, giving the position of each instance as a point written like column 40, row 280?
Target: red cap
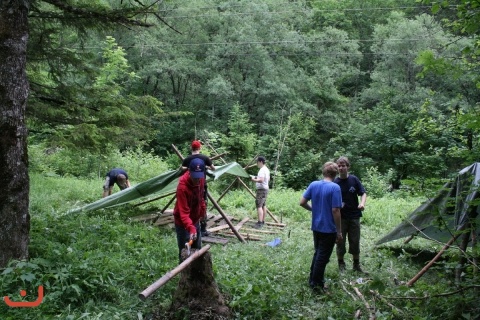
column 196, row 145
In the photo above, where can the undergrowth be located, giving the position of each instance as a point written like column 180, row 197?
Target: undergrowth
column 93, row 265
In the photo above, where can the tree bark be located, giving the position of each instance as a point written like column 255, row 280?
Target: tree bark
column 14, row 181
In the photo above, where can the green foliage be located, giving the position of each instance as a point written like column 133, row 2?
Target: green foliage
column 140, row 165
column 240, row 140
column 377, row 184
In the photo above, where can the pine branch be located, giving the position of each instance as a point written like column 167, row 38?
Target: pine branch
column 114, row 16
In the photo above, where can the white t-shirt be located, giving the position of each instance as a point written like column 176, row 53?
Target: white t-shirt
column 265, row 174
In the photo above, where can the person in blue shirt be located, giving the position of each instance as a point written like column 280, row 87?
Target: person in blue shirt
column 351, row 213
column 115, row 176
column 326, row 201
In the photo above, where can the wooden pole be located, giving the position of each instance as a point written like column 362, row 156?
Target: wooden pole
column 169, row 202
column 177, row 152
column 371, row 311
column 169, row 275
column 218, row 156
column 226, row 190
column 154, row 199
column 215, row 204
column 445, row 247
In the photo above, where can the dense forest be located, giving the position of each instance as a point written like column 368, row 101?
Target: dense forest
column 88, row 85
column 391, row 84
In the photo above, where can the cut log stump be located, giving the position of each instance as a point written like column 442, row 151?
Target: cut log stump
column 197, row 295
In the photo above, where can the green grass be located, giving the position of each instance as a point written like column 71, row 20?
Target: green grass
column 93, row 265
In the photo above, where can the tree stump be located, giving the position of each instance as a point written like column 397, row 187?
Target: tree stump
column 197, row 295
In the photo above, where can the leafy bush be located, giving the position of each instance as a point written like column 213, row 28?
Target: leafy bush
column 140, row 165
column 377, row 184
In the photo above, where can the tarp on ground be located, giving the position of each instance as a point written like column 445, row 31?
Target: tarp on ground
column 450, row 210
column 160, row 185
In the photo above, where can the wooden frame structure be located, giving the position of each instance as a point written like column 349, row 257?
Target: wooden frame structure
column 166, row 215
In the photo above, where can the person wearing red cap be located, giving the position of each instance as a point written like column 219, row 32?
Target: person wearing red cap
column 196, row 146
column 190, row 207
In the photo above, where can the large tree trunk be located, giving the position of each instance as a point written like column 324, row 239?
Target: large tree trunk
column 14, row 182
column 197, row 295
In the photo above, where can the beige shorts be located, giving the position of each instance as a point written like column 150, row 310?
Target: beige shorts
column 261, row 198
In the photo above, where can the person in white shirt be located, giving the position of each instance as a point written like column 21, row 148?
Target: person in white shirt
column 261, row 182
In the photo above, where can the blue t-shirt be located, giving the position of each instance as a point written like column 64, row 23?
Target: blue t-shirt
column 325, row 196
column 351, row 188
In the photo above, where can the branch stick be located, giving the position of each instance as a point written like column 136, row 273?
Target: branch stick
column 439, row 254
column 376, row 294
column 369, row 309
column 348, row 292
column 169, row 275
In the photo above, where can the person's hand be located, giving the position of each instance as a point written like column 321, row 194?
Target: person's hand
column 339, row 238
column 361, row 207
column 193, row 236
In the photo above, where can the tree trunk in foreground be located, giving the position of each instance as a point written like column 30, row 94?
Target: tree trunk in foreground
column 197, row 295
column 14, row 181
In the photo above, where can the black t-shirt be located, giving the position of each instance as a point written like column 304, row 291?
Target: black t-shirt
column 206, row 160
column 351, row 188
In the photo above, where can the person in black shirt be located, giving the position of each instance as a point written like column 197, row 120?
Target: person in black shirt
column 351, row 213
column 196, row 146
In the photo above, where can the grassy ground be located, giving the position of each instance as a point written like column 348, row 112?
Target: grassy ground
column 93, row 265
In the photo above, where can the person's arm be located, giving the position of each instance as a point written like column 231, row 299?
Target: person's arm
column 184, row 212
column 363, row 200
column 304, row 203
column 128, row 183
column 212, row 167
column 258, row 179
column 337, row 218
column 185, row 163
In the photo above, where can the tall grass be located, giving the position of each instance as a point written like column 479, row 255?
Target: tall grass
column 93, row 265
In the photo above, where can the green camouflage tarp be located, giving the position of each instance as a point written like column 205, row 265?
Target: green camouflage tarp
column 160, row 185
column 453, row 206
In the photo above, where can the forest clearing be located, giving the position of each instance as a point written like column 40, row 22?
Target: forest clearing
column 113, row 95
column 93, row 265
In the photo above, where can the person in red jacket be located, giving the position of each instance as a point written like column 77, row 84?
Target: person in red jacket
column 190, row 206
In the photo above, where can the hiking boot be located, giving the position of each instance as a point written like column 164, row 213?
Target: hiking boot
column 320, row 290
column 342, row 267
column 258, row 225
column 205, row 233
column 356, row 267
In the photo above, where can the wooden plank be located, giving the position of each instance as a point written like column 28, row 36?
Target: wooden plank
column 260, row 230
column 216, row 240
column 145, row 217
column 247, row 236
column 275, row 224
column 213, row 220
column 225, row 226
column 164, row 221
column 218, row 228
column 240, row 224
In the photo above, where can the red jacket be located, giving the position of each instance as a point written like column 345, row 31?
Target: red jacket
column 190, row 206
